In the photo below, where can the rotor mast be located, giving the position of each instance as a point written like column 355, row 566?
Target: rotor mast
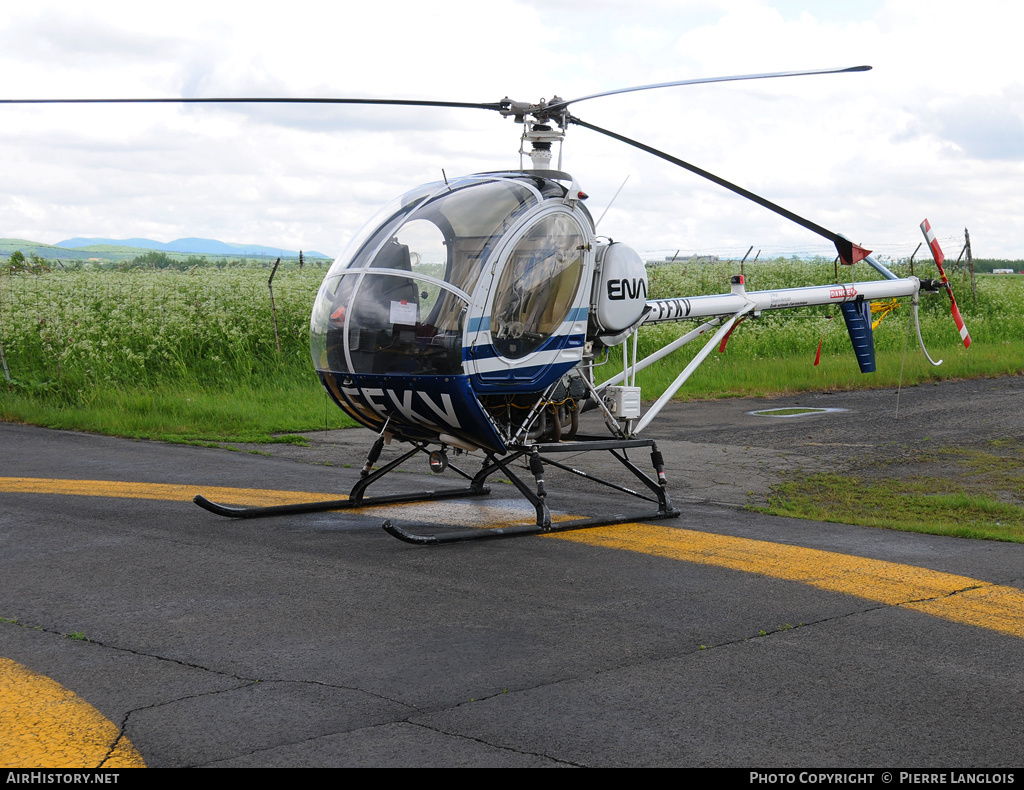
column 538, row 132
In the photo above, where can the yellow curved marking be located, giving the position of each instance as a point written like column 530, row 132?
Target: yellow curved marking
column 957, row 598
column 46, row 726
column 167, row 491
column 476, row 512
column 946, row 595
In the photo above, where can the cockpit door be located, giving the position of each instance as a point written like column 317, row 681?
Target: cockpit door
column 530, row 322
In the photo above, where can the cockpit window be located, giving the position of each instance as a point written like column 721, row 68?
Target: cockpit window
column 479, row 210
column 396, row 300
column 537, row 287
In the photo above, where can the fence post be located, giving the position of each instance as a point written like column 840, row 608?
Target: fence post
column 912, row 258
column 970, row 262
column 749, row 250
column 3, row 358
column 273, row 307
column 7, row 374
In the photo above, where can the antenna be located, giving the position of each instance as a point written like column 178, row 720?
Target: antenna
column 610, row 202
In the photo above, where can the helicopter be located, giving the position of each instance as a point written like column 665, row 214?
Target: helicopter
column 467, row 316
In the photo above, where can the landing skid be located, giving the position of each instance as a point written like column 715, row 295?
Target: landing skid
column 538, row 457
column 356, row 499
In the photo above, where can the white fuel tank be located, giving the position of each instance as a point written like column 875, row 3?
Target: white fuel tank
column 620, row 288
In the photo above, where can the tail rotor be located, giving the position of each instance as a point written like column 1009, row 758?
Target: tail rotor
column 933, row 243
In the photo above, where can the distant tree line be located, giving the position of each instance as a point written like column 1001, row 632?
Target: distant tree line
column 161, row 260
column 18, row 263
column 988, row 264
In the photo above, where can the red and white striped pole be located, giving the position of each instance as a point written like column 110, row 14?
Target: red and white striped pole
column 933, row 243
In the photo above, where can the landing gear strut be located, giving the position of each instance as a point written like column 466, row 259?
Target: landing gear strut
column 538, row 457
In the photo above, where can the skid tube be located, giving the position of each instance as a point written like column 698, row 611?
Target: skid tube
column 537, row 498
column 355, row 497
column 477, row 487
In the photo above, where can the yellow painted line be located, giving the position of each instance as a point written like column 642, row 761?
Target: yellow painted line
column 990, row 606
column 44, row 725
column 166, row 491
column 471, row 511
column 949, row 596
column 946, row 595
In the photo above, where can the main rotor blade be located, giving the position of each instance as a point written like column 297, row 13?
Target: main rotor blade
column 497, row 106
column 554, row 107
column 848, row 251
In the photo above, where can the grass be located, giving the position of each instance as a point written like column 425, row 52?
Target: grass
column 178, row 356
column 774, row 354
column 256, row 412
column 965, row 493
column 738, row 375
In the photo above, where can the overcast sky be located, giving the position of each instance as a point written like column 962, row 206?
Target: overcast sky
column 935, row 130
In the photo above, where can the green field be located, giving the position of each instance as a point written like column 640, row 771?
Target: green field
column 192, row 355
column 186, row 355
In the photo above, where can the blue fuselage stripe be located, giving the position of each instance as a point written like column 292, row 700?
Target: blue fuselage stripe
column 483, row 323
column 553, row 343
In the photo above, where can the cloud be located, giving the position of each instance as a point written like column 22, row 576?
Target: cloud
column 979, row 127
column 865, row 154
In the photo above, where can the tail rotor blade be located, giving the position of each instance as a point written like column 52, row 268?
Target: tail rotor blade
column 957, row 319
column 933, row 243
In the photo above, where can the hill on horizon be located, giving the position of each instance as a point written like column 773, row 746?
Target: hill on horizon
column 191, row 245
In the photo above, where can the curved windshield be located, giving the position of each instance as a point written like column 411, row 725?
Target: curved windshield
column 538, row 285
column 395, row 301
column 394, row 323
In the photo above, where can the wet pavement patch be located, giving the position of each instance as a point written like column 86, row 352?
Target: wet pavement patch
column 796, row 411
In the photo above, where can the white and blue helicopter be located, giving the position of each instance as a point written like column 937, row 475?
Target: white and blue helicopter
column 467, row 316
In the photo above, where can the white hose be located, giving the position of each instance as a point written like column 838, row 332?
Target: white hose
column 917, row 322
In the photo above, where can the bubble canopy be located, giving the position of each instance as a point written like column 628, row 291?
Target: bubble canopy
column 453, row 299
column 396, row 300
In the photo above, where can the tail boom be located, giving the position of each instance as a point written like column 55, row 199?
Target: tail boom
column 663, row 311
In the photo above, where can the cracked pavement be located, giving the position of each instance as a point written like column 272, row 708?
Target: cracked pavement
column 318, row 640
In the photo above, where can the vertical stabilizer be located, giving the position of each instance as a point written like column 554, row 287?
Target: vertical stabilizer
column 858, row 324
